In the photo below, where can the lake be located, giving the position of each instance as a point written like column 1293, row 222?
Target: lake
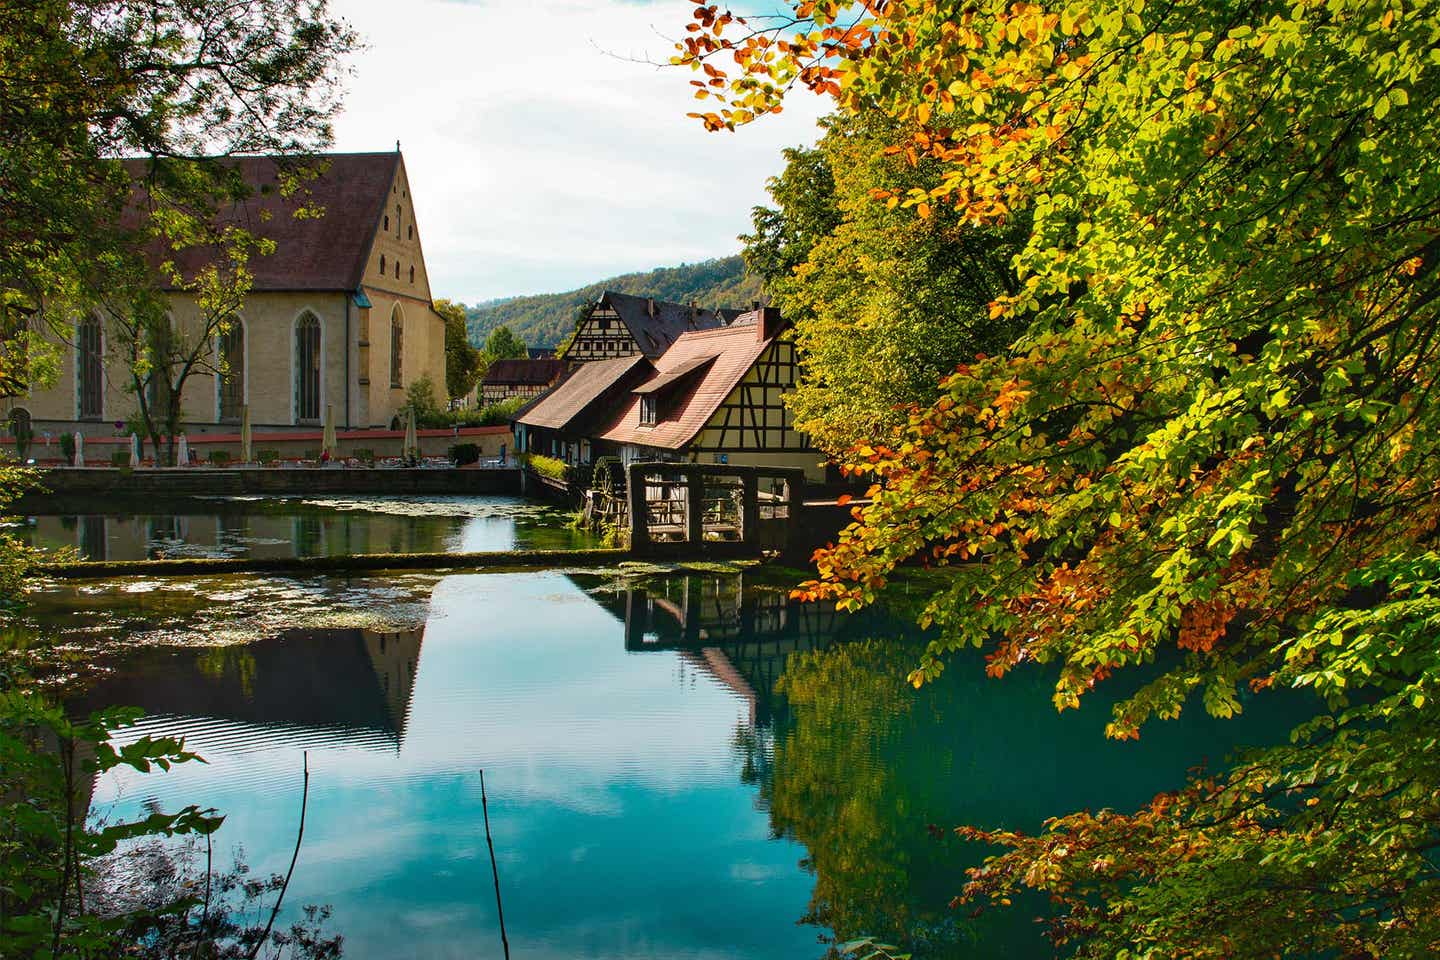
column 686, row 766
column 267, row 527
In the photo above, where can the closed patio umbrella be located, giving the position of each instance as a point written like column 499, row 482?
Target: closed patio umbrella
column 327, row 438
column 79, row 449
column 134, row 449
column 182, row 452
column 412, row 441
column 245, row 434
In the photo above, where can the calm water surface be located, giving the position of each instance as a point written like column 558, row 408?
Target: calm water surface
column 682, row 767
column 121, row 529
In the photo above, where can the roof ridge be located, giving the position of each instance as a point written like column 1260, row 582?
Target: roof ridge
column 748, row 329
column 276, row 156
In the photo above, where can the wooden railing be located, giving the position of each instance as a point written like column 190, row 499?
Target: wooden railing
column 686, row 507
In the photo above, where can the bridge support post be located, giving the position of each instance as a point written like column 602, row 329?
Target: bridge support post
column 639, row 509
column 749, row 508
column 694, row 506
column 794, row 507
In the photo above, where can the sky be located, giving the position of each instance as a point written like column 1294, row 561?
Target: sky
column 541, row 156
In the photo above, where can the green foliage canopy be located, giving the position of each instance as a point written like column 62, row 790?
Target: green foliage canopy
column 1213, row 447
column 462, row 360
column 503, row 343
column 93, row 80
column 884, row 304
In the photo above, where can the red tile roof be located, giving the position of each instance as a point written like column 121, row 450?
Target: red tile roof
column 312, row 253
column 576, row 398
column 524, row 371
column 730, row 353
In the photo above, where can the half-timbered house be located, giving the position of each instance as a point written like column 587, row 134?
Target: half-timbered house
column 623, row 325
column 519, row 377
column 716, row 396
column 562, row 422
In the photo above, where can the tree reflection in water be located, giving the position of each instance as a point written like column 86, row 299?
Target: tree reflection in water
column 870, row 775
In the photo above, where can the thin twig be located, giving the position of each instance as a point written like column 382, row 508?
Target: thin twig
column 299, row 835
column 67, row 757
column 494, row 872
column 205, row 909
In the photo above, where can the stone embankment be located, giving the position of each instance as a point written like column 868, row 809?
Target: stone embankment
column 99, row 482
column 497, row 561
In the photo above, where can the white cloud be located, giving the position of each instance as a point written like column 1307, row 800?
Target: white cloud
column 540, row 158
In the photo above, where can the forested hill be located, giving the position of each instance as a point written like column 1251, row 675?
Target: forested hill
column 544, row 320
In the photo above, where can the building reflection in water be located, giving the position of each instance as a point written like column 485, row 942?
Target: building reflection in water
column 345, row 686
column 740, row 635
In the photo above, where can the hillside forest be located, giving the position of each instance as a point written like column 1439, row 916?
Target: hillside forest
column 547, row 319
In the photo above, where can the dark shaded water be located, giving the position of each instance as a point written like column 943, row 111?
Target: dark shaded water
column 269, row 527
column 677, row 767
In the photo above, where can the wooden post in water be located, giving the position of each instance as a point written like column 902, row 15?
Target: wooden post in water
column 749, row 509
column 694, row 507
column 794, row 507
column 639, row 509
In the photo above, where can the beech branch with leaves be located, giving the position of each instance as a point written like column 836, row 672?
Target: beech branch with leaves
column 1213, row 447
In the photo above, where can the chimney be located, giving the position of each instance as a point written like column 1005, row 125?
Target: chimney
column 768, row 323
column 650, row 306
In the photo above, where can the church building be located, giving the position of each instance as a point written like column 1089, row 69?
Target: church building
column 339, row 315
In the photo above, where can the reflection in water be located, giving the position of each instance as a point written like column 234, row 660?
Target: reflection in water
column 348, row 686
column 684, row 767
column 270, row 527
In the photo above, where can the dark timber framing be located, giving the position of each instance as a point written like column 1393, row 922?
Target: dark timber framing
column 754, row 419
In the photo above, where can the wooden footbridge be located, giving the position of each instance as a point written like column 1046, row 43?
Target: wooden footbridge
column 689, row 509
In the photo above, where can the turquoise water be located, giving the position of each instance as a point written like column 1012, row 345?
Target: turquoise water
column 268, row 527
column 676, row 767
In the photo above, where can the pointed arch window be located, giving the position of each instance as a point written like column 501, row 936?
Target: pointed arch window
column 307, row 367
column 382, row 264
column 397, row 347
column 89, row 370
column 232, row 371
column 398, row 218
column 412, row 273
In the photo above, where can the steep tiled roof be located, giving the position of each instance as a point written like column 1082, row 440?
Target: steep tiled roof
column 311, row 253
column 524, row 371
column 656, row 324
column 572, row 401
column 717, row 359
